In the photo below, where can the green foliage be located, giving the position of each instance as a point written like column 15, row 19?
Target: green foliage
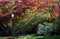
column 0, row 10
column 45, row 28
column 10, row 23
column 57, row 24
column 46, row 16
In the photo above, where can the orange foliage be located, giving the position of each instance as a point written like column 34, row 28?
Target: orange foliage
column 55, row 15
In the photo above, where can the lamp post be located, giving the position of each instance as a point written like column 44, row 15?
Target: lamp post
column 13, row 25
column 12, row 29
column 12, row 15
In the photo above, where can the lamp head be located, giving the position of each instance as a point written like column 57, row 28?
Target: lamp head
column 12, row 15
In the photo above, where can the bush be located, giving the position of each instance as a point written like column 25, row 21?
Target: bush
column 45, row 28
